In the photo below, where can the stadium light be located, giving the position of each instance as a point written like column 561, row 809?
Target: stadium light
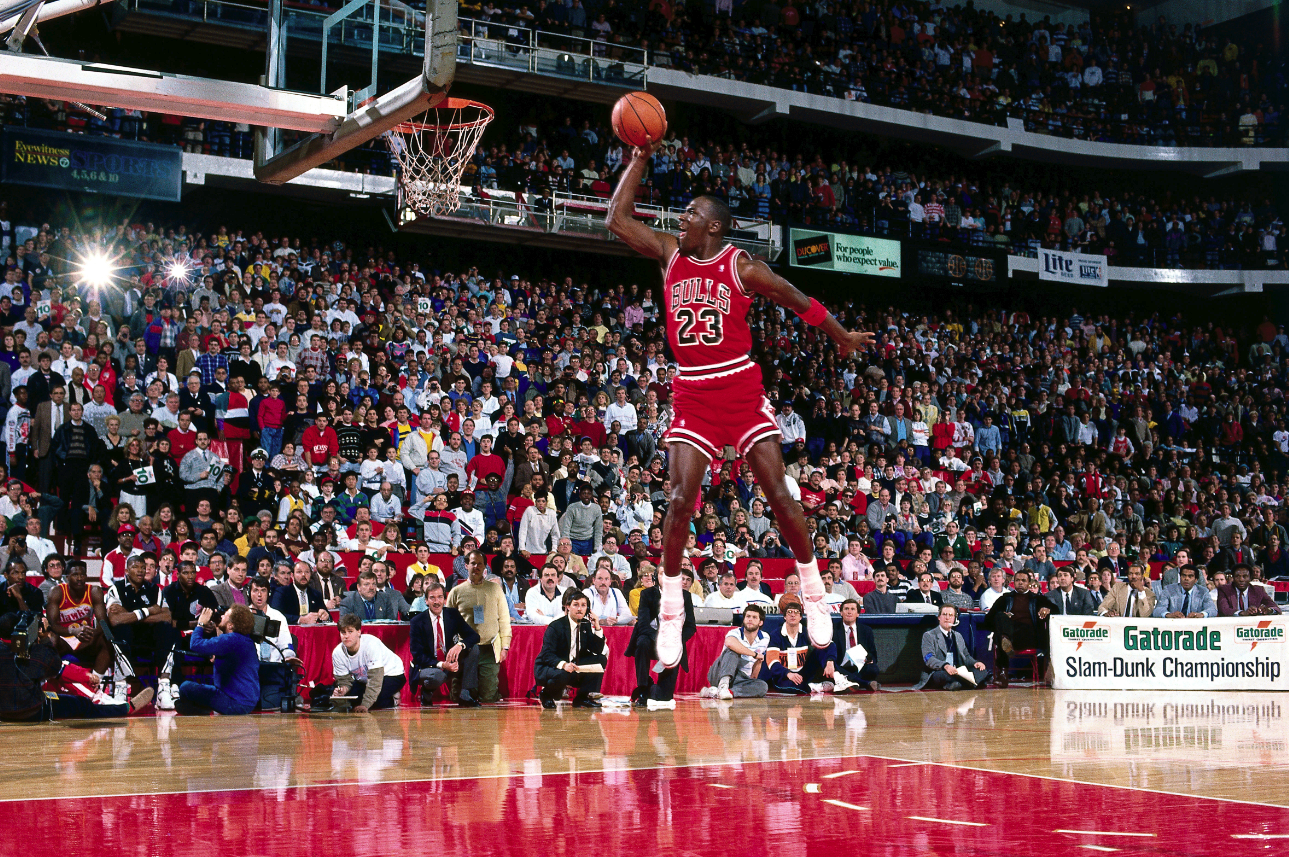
column 178, row 270
column 96, row 269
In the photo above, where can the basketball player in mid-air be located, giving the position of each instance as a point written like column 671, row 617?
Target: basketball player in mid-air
column 718, row 398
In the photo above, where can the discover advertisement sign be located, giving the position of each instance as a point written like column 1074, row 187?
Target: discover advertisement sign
column 1078, row 269
column 1236, row 653
column 853, row 254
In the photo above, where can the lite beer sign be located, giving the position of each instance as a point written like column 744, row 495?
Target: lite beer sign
column 1081, row 269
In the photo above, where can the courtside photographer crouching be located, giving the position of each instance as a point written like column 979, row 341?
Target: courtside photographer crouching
column 28, row 660
column 237, row 664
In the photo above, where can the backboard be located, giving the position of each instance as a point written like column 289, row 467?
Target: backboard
column 334, row 120
column 378, row 23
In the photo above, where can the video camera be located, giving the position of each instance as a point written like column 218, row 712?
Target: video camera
column 26, row 633
column 265, row 628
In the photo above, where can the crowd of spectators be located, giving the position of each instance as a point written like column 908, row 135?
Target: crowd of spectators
column 827, row 189
column 245, row 404
column 1104, row 79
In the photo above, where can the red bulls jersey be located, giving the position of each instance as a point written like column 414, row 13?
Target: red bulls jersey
column 707, row 309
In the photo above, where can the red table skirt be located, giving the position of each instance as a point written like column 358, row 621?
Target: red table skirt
column 316, row 643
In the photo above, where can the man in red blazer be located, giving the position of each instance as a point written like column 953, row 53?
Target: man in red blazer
column 1241, row 599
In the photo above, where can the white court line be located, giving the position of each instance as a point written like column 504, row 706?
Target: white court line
column 947, row 821
column 1098, row 848
column 844, row 805
column 908, row 764
column 1103, row 833
column 718, row 786
column 840, row 774
column 1260, row 835
column 1153, row 792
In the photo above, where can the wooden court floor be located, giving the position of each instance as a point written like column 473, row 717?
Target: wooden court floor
column 1014, row 771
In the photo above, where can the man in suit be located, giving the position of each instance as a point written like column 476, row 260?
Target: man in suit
column 1019, row 621
column 444, row 648
column 234, row 588
column 1185, row 599
column 1099, row 583
column 43, row 382
column 644, row 635
column 946, row 657
column 1242, row 599
column 1068, row 599
column 1114, row 560
column 1133, row 598
column 1236, row 553
column 371, row 605
column 926, row 593
column 76, row 444
column 570, row 642
column 300, row 603
column 46, row 419
column 329, row 582
column 852, row 633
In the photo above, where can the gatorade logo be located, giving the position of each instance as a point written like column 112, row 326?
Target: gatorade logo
column 1086, row 634
column 1263, row 632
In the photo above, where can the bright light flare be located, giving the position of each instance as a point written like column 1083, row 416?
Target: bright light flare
column 178, row 271
column 96, row 270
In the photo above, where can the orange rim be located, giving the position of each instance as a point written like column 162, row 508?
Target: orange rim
column 485, row 117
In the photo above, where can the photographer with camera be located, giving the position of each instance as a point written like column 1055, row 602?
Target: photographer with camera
column 237, row 665
column 27, row 660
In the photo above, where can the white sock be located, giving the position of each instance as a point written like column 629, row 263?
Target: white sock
column 812, row 585
column 673, row 594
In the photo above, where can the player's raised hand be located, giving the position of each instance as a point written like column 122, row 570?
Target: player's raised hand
column 647, row 150
column 855, row 340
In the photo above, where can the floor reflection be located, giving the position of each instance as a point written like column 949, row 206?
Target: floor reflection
column 1217, row 745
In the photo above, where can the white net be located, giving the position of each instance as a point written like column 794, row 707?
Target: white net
column 433, row 153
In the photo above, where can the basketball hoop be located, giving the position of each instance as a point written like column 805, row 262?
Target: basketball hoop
column 433, row 152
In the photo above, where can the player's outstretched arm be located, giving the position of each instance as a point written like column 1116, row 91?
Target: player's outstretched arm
column 642, row 239
column 758, row 277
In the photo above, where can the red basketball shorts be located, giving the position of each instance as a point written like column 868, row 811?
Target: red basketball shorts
column 712, row 413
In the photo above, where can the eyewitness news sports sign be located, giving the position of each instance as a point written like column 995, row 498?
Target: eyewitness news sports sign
column 76, row 162
column 854, row 254
column 1080, row 269
column 1238, row 653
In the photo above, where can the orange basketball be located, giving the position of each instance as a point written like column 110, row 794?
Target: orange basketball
column 639, row 118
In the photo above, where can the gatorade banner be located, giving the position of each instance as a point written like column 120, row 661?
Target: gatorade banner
column 1235, row 653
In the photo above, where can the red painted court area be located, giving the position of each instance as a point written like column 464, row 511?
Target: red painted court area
column 833, row 806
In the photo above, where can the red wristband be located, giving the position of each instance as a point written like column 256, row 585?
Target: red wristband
column 815, row 315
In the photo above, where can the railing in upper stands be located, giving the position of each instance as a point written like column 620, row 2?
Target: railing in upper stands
column 488, row 45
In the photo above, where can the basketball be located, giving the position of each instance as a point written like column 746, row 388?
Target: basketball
column 639, row 118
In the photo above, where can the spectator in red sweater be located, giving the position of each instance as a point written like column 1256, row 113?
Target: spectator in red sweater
column 183, row 438
column 319, row 443
column 271, row 417
column 478, row 468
